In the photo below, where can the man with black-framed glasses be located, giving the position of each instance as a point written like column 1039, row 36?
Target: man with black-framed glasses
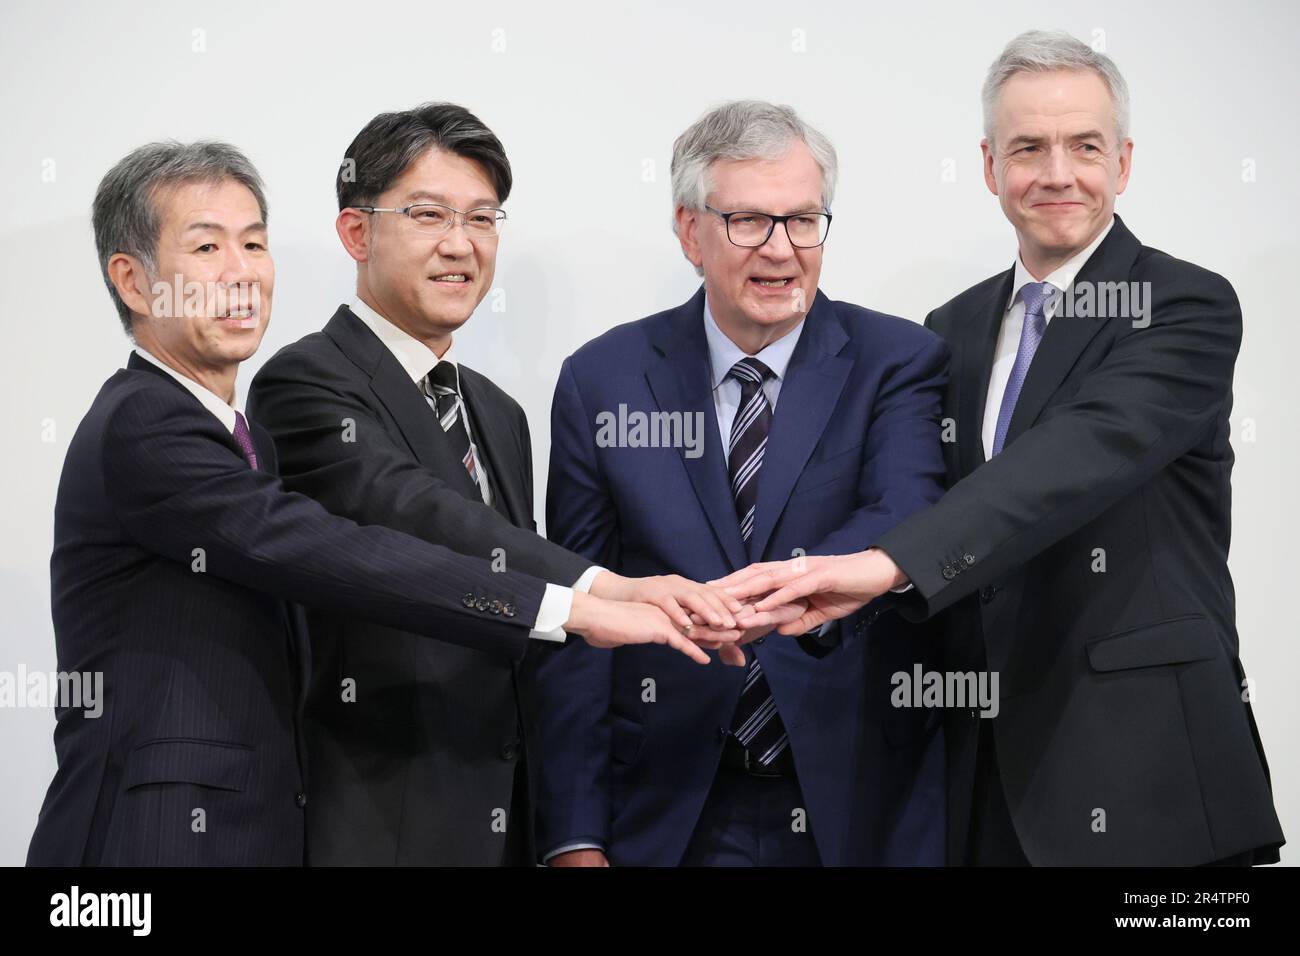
column 418, row 756
column 820, row 422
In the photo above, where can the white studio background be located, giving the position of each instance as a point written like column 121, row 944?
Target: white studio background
column 587, row 98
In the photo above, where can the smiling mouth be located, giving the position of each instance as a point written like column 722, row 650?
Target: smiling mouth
column 452, row 277
column 767, row 283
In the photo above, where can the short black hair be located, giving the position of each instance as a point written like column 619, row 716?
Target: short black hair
column 391, row 142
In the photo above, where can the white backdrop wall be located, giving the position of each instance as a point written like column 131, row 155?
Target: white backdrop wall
column 587, row 98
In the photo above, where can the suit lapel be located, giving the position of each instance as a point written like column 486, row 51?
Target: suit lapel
column 1066, row 337
column 974, row 367
column 813, row 382
column 680, row 378
column 401, row 397
column 493, row 434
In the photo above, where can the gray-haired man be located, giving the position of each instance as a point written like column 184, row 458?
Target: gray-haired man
column 819, row 428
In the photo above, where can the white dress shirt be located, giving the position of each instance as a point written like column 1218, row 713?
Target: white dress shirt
column 1004, row 356
column 210, row 399
column 417, row 360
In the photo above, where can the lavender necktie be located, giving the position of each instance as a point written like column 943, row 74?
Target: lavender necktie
column 1035, row 295
column 245, row 440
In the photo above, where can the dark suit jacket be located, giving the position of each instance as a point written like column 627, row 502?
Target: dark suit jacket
column 419, row 768
column 1121, row 689
column 172, row 570
column 631, row 740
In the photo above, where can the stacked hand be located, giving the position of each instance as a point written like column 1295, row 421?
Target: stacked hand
column 673, row 610
column 828, row 588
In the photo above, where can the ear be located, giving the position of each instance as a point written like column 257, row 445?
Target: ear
column 989, row 179
column 353, row 227
column 1125, row 165
column 129, row 278
column 688, row 225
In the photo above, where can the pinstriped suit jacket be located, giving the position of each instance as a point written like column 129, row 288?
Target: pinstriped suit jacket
column 176, row 572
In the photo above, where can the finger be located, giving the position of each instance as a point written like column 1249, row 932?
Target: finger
column 768, row 619
column 675, row 613
column 790, row 592
column 689, row 648
column 736, row 577
column 731, row 655
column 812, row 618
column 698, row 601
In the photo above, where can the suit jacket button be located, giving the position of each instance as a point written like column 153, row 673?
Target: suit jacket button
column 760, row 640
column 986, row 594
column 481, row 604
column 300, row 798
column 495, row 607
column 949, row 573
column 509, row 749
column 467, row 600
column 722, row 733
column 968, row 560
column 508, row 610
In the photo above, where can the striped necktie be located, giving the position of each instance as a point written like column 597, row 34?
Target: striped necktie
column 442, row 387
column 757, row 725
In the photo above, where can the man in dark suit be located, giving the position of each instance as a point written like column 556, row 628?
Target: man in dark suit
column 378, row 419
column 1082, row 549
column 177, row 554
column 772, row 421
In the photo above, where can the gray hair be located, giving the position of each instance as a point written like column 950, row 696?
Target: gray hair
column 1041, row 51
column 125, row 213
column 744, row 129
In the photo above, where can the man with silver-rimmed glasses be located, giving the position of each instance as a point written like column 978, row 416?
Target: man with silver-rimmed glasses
column 416, row 756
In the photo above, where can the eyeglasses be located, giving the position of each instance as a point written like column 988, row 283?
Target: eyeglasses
column 432, row 217
column 805, row 230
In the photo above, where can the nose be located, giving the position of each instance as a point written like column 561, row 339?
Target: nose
column 1057, row 171
column 778, row 245
column 239, row 275
column 455, row 242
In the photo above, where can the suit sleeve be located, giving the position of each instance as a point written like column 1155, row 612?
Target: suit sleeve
column 375, row 480
column 903, row 469
column 573, row 683
column 179, row 485
column 1152, row 398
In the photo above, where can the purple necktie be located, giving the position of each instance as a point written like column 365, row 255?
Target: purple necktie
column 1035, row 295
column 245, row 440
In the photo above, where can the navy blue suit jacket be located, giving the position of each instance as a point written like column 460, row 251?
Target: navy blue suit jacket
column 631, row 740
column 173, row 570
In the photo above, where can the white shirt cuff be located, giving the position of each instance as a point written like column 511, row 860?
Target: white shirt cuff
column 901, row 589
column 584, row 583
column 556, row 606
column 569, row 848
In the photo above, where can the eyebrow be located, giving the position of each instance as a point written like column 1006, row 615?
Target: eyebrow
column 798, row 210
column 422, row 194
column 218, row 227
column 1027, row 140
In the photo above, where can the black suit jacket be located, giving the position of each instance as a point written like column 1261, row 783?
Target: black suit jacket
column 419, row 769
column 172, row 570
column 1123, row 737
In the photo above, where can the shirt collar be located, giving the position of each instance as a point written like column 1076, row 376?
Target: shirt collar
column 211, row 401
column 724, row 353
column 416, row 358
column 1063, row 276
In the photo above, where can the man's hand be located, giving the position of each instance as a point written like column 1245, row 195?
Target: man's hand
column 676, row 596
column 833, row 586
column 603, row 623
column 579, row 858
